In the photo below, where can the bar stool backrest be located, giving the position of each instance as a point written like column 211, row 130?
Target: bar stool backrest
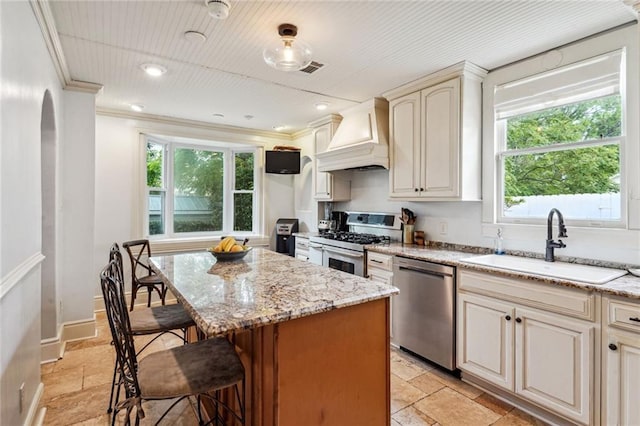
column 118, row 316
column 139, row 252
column 115, row 254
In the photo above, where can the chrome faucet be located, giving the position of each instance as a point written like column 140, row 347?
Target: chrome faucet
column 562, row 232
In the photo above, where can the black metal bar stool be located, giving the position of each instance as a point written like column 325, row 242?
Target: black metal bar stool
column 198, row 369
column 157, row 320
column 141, row 273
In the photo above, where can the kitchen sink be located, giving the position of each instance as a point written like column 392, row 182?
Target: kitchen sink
column 562, row 270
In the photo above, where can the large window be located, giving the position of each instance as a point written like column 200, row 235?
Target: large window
column 196, row 190
column 559, row 138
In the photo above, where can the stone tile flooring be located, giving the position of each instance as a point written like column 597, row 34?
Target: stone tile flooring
column 77, row 391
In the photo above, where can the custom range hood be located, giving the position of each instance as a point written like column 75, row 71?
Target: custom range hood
column 361, row 139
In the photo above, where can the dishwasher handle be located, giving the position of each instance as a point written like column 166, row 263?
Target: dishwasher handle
column 423, row 271
column 423, row 267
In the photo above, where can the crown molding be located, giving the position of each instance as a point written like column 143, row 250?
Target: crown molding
column 194, row 124
column 84, row 87
column 47, row 25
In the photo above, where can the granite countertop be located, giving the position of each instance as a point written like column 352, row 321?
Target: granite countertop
column 625, row 286
column 263, row 288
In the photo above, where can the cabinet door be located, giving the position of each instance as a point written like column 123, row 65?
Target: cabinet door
column 485, row 339
column 323, row 180
column 440, row 137
column 404, row 135
column 621, row 380
column 555, row 362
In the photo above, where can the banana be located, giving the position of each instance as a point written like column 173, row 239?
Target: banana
column 227, row 243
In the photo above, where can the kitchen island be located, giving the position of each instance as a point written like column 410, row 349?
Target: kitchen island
column 314, row 341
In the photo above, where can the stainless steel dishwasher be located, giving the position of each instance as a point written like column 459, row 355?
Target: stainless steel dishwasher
column 424, row 311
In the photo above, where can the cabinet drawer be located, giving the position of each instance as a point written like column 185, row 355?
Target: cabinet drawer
column 563, row 300
column 380, row 261
column 302, row 243
column 381, row 276
column 624, row 315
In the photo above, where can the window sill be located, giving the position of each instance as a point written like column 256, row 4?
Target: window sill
column 172, row 245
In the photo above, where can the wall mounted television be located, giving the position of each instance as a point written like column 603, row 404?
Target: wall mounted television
column 282, row 162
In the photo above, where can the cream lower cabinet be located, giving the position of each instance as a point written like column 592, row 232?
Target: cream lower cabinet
column 485, row 339
column 380, row 269
column 302, row 248
column 543, row 357
column 621, row 359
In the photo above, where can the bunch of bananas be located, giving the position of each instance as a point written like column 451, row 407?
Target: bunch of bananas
column 228, row 244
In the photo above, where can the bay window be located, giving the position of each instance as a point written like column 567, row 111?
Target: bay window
column 200, row 190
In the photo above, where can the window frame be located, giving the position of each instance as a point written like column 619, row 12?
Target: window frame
column 502, row 152
column 170, row 144
column 527, row 231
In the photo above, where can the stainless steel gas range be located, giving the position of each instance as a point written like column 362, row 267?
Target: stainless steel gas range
column 345, row 250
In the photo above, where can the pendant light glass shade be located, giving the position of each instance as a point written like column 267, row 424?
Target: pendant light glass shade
column 288, row 54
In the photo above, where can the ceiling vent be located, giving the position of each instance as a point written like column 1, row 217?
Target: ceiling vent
column 312, row 67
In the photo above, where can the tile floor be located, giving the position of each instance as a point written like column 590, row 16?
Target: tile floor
column 77, row 391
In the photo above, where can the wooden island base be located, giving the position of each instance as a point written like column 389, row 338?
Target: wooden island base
column 330, row 369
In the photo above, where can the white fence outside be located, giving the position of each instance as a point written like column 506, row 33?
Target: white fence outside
column 573, row 206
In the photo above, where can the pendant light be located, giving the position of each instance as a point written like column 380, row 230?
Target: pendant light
column 289, row 54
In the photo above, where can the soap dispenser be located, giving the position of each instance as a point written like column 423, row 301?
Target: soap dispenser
column 498, row 245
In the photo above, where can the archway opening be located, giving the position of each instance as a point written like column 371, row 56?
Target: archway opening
column 50, row 311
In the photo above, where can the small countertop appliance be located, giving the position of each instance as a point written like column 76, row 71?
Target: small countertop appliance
column 284, row 235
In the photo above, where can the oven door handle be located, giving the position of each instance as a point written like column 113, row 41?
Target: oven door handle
column 348, row 253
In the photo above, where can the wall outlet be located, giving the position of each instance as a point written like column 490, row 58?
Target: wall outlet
column 443, row 228
column 21, row 398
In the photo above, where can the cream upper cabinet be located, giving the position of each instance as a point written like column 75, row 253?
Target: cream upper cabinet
column 545, row 355
column 327, row 187
column 435, row 136
column 404, row 131
column 621, row 359
column 440, row 124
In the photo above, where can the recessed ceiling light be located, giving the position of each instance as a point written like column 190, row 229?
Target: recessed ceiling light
column 218, row 115
column 321, row 106
column 154, row 70
column 137, row 107
column 279, row 128
column 195, row 36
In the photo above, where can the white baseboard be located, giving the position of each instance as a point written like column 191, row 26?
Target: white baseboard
column 39, row 420
column 53, row 349
column 98, row 301
column 32, row 418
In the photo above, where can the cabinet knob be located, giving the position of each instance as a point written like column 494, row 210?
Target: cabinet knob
column 635, row 319
column 416, row 189
column 421, row 189
column 508, row 317
column 612, row 346
column 518, row 320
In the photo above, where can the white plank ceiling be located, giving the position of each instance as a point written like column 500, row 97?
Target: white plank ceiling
column 368, row 47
